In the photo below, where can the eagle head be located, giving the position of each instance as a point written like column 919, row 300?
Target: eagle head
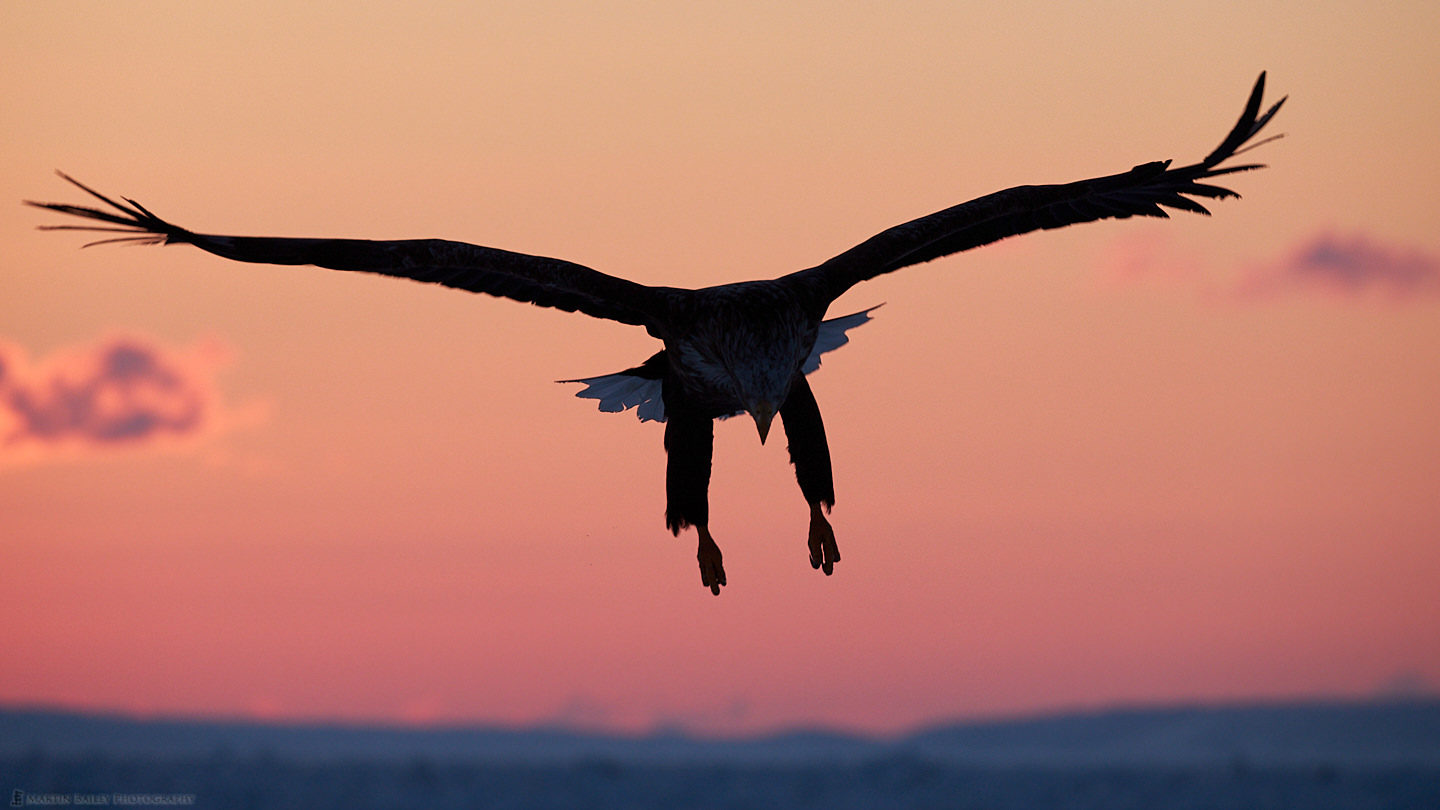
column 764, row 413
column 763, row 379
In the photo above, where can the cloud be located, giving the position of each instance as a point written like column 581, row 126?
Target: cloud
column 583, row 712
column 1406, row 685
column 118, row 393
column 1146, row 257
column 1351, row 266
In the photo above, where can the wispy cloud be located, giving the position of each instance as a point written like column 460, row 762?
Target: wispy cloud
column 1353, row 267
column 1147, row 257
column 1348, row 265
column 121, row 392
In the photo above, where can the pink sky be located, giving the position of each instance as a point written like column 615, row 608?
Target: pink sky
column 1126, row 462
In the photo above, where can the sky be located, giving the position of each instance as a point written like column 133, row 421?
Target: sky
column 1186, row 460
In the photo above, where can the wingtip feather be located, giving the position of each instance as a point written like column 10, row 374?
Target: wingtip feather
column 132, row 218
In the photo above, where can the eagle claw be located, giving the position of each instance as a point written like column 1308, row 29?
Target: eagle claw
column 712, row 569
column 823, row 551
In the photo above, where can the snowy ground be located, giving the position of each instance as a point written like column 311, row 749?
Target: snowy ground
column 219, row 781
column 1308, row 755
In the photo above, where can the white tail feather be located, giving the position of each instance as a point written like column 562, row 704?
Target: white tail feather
column 832, row 336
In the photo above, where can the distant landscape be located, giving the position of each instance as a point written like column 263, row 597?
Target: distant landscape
column 1339, row 733
column 1301, row 754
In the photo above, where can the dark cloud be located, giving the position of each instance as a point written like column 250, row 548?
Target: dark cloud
column 1354, row 265
column 583, row 712
column 1406, row 685
column 120, row 392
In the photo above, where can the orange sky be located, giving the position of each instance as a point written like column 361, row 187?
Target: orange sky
column 1126, row 462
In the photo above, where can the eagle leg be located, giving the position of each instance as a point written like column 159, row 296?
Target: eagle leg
column 810, row 454
column 689, row 447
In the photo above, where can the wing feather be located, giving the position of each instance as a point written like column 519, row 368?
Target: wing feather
column 536, row 280
column 1146, row 190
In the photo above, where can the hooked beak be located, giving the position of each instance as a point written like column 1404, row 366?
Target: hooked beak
column 764, row 414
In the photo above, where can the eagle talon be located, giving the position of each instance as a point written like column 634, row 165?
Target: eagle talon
column 823, row 551
column 712, row 569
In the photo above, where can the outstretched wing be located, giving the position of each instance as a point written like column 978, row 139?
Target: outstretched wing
column 1145, row 190
column 533, row 279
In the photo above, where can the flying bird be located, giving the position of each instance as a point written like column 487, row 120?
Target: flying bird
column 735, row 348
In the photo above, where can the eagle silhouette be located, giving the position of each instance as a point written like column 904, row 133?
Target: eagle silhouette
column 733, row 348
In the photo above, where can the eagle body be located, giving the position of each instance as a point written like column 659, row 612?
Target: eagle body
column 738, row 347
column 742, row 347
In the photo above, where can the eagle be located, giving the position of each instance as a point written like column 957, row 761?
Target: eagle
column 744, row 347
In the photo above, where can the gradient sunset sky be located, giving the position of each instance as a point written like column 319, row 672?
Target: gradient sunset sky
column 1127, row 462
